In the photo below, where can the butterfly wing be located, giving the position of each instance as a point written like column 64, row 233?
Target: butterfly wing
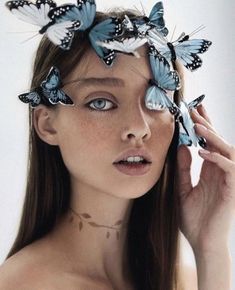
column 51, row 88
column 105, row 30
column 62, row 33
column 127, row 45
column 184, row 139
column 196, row 102
column 33, row 98
column 58, row 96
column 156, row 18
column 187, row 123
column 84, row 12
column 155, row 99
column 187, row 52
column 27, row 11
column 164, row 77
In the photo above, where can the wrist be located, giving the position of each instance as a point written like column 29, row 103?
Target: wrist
column 214, row 268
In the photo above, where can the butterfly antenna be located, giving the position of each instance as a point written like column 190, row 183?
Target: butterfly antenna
column 197, row 30
column 139, row 73
column 142, row 8
column 30, row 38
column 173, row 33
column 137, row 9
column 20, row 32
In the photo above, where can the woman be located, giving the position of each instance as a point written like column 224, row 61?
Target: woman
column 90, row 223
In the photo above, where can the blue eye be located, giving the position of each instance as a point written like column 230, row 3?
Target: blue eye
column 99, row 104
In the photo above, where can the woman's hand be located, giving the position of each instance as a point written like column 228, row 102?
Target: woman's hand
column 207, row 209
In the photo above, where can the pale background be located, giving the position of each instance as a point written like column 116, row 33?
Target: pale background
column 215, row 79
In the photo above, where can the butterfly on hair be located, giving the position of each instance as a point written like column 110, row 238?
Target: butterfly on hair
column 84, row 12
column 184, row 49
column 59, row 32
column 163, row 79
column 125, row 45
column 139, row 26
column 49, row 90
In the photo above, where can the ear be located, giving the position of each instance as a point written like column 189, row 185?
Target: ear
column 43, row 119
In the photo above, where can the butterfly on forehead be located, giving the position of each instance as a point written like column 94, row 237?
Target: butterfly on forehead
column 184, row 49
column 49, row 90
column 84, row 12
column 59, row 32
column 163, row 79
column 187, row 134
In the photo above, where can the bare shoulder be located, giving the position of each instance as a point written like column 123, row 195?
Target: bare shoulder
column 189, row 278
column 36, row 268
column 21, row 271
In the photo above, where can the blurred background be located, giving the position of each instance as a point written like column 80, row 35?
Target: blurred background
column 215, row 79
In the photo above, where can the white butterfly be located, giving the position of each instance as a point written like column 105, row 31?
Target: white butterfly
column 127, row 45
column 59, row 32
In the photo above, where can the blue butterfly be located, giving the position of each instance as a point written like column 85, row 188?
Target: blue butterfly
column 163, row 79
column 84, row 12
column 196, row 102
column 187, row 135
column 184, row 49
column 154, row 21
column 59, row 32
column 49, row 89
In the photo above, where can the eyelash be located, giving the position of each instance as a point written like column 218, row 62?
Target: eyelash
column 101, row 110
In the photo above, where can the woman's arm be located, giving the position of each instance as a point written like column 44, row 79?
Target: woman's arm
column 214, row 269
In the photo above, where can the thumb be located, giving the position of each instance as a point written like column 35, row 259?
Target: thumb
column 184, row 161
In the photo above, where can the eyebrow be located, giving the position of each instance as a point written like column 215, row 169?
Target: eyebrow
column 93, row 81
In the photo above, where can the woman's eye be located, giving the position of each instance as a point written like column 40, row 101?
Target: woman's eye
column 99, row 104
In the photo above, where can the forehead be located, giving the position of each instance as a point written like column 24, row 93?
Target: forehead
column 125, row 67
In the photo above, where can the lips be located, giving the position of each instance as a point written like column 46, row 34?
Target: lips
column 134, row 152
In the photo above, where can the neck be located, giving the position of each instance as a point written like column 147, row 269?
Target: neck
column 94, row 234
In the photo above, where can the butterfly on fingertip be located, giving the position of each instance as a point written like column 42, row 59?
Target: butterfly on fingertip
column 184, row 49
column 196, row 102
column 50, row 89
column 59, row 32
column 187, row 134
column 163, row 79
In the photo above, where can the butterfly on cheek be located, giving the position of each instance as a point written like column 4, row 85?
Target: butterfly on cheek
column 44, row 15
column 163, row 79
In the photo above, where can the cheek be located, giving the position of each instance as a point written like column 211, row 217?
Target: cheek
column 82, row 140
column 163, row 135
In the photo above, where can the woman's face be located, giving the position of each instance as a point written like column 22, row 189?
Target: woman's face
column 110, row 117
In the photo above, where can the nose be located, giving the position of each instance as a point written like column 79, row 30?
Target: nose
column 137, row 129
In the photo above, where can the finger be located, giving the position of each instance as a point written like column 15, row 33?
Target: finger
column 184, row 160
column 216, row 141
column 197, row 118
column 202, row 111
column 224, row 163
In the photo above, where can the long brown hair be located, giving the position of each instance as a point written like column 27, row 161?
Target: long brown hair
column 153, row 232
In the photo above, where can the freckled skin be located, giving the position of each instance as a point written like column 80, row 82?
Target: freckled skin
column 90, row 141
